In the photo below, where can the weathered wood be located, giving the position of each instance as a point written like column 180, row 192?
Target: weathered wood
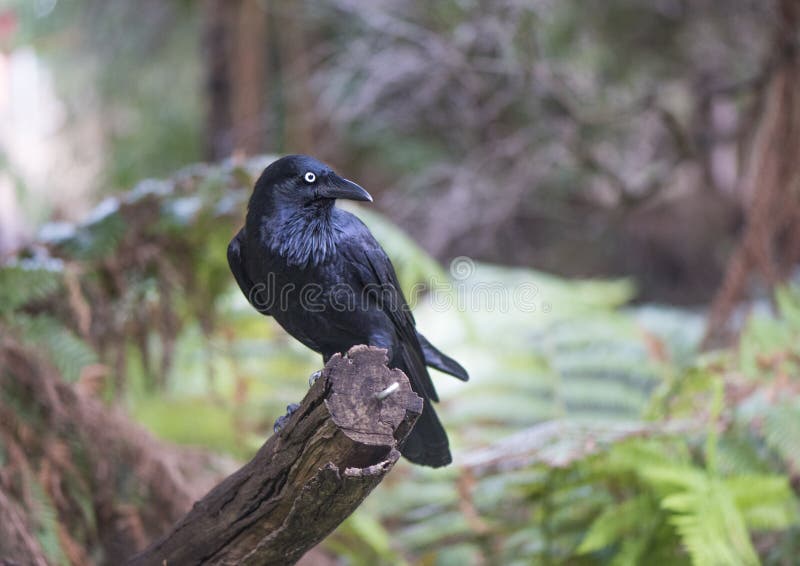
column 306, row 479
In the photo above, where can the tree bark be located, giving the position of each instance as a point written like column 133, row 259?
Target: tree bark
column 217, row 48
column 768, row 246
column 249, row 80
column 235, row 51
column 306, row 479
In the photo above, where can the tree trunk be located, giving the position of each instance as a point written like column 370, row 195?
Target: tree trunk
column 771, row 179
column 235, row 51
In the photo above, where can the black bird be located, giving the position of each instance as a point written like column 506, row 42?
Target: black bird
column 321, row 274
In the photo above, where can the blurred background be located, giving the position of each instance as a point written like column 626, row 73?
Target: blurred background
column 614, row 183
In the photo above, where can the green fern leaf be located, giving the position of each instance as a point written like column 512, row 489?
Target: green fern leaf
column 710, row 526
column 766, row 502
column 782, row 432
column 617, row 522
column 25, row 281
column 68, row 353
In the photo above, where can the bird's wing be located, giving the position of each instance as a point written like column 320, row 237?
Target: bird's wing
column 376, row 271
column 236, row 261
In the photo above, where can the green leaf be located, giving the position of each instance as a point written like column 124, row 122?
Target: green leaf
column 667, row 480
column 766, row 502
column 710, row 526
column 616, row 523
column 371, row 532
column 66, row 351
column 782, row 431
column 25, row 281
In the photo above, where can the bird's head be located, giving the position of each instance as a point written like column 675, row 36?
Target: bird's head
column 301, row 181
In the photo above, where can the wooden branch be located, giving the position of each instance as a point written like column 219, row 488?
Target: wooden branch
column 305, row 480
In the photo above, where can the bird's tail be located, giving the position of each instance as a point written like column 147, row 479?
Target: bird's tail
column 427, row 443
column 436, row 359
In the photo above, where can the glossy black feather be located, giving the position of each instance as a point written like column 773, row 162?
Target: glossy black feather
column 436, row 359
column 300, row 260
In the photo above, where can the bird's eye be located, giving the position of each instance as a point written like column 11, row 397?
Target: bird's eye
column 310, row 177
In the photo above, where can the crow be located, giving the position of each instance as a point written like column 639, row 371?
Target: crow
column 321, row 274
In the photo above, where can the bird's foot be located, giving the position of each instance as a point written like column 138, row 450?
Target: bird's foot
column 281, row 421
column 312, row 379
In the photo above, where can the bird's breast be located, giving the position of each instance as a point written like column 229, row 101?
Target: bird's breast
column 322, row 305
column 306, row 238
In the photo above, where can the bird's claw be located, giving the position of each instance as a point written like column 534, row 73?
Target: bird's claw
column 281, row 421
column 312, row 379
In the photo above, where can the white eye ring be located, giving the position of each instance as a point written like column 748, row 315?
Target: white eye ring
column 310, row 177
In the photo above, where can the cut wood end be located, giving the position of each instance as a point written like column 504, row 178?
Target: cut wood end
column 355, row 382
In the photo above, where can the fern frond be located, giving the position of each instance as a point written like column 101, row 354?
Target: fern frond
column 766, row 502
column 671, row 479
column 782, row 432
column 67, row 352
column 618, row 522
column 47, row 522
column 27, row 280
column 710, row 526
column 100, row 235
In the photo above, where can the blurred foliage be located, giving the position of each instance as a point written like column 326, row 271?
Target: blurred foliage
column 574, row 117
column 535, row 118
column 112, row 61
column 28, row 281
column 703, row 473
column 591, row 432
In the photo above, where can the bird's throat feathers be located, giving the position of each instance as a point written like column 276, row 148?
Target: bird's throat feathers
column 304, row 237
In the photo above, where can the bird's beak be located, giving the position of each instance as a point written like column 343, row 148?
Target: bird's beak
column 338, row 187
